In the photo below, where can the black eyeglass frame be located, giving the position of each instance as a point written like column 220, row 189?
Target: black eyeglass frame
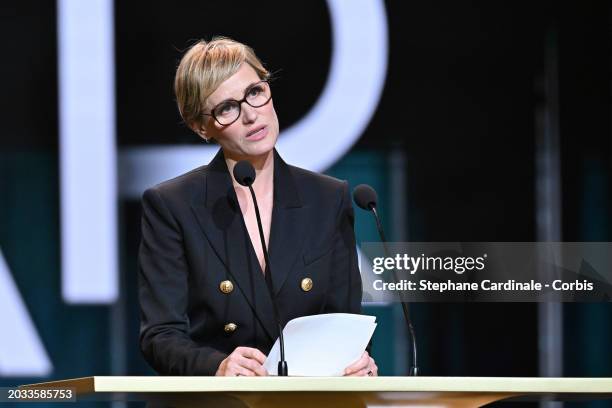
column 244, row 99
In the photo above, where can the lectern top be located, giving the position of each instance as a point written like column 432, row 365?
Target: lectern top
column 152, row 384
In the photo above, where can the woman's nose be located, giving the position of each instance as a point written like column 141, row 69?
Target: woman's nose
column 249, row 113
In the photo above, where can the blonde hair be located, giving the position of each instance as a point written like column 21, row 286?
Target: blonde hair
column 204, row 67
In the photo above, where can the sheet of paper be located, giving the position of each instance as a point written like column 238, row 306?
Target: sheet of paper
column 322, row 345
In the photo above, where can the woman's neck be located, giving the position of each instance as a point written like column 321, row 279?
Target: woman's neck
column 264, row 171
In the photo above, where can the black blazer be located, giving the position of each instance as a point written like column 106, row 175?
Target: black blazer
column 194, row 237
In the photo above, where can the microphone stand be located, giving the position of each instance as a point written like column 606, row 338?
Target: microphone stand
column 283, row 370
column 414, row 369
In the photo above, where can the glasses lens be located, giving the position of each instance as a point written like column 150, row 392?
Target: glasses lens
column 227, row 112
column 259, row 95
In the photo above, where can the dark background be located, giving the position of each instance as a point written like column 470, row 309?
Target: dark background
column 463, row 101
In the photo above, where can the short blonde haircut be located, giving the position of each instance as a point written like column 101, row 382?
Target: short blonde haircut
column 204, row 67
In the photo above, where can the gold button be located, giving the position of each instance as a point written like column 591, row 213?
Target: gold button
column 306, row 284
column 226, row 286
column 230, row 327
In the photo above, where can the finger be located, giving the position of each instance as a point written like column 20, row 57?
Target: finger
column 355, row 369
column 249, row 353
column 351, row 371
column 258, row 368
column 238, row 369
column 365, row 357
column 253, row 366
column 255, row 354
column 261, row 372
column 373, row 366
column 358, row 365
column 243, row 371
column 361, row 373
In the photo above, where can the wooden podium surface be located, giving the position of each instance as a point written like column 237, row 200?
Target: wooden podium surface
column 321, row 392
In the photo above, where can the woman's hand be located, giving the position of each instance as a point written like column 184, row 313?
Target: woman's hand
column 362, row 367
column 244, row 361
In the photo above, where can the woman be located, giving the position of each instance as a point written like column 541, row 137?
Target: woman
column 205, row 308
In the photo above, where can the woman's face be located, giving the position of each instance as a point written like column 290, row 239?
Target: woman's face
column 255, row 131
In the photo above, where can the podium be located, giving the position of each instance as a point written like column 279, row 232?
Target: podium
column 323, row 392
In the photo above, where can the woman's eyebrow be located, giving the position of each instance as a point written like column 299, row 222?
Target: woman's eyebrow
column 252, row 84
column 243, row 93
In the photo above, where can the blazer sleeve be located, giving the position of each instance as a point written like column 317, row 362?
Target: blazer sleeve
column 163, row 295
column 345, row 291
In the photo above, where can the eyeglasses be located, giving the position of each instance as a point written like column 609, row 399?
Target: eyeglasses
column 227, row 112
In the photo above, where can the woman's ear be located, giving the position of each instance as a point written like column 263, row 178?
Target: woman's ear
column 201, row 131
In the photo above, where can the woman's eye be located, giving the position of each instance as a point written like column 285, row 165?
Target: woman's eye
column 224, row 109
column 256, row 90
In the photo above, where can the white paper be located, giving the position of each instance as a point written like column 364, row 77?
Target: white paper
column 322, row 345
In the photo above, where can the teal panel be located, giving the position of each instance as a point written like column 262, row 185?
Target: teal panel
column 75, row 337
column 390, row 346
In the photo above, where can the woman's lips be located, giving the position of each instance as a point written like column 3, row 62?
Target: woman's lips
column 257, row 134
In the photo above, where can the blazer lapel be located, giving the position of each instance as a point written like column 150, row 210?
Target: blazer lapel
column 218, row 213
column 286, row 238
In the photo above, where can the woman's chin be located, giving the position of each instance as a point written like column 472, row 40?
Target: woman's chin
column 260, row 148
column 246, row 152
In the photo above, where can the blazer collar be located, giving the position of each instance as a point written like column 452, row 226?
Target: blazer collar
column 219, row 183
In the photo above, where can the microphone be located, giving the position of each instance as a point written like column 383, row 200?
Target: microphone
column 244, row 173
column 366, row 198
